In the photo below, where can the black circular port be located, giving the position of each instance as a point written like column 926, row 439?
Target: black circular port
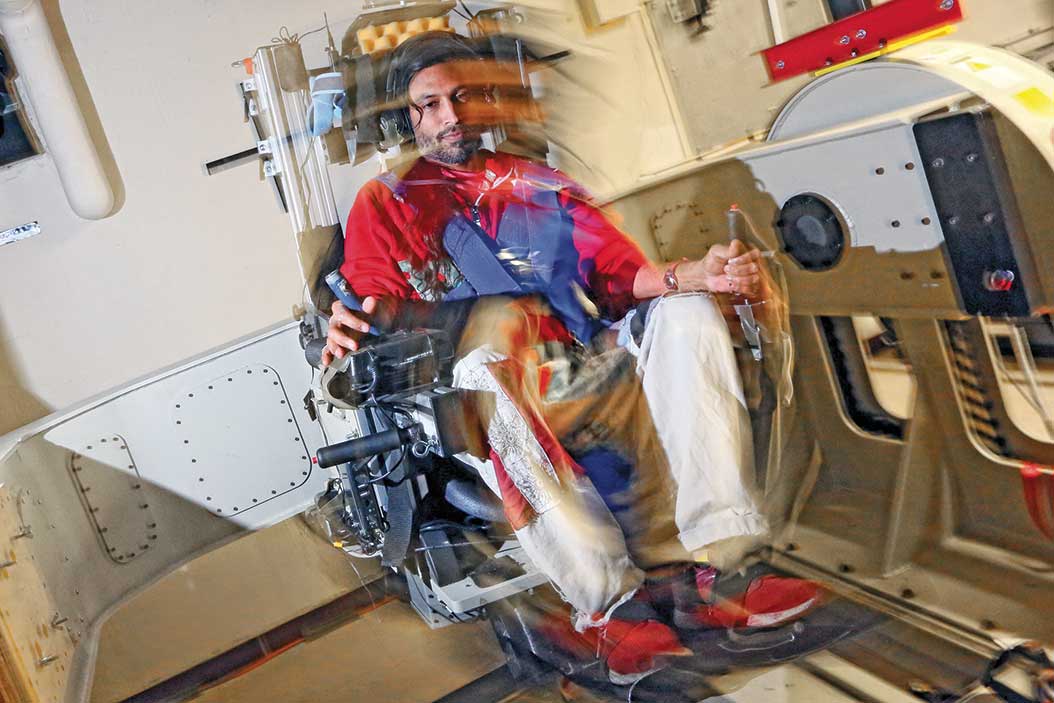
column 811, row 232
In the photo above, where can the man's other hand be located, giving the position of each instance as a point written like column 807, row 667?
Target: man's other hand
column 346, row 328
column 734, row 268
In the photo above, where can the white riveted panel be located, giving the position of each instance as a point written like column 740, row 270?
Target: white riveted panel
column 235, row 424
column 115, row 496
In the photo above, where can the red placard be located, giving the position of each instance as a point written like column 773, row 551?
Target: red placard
column 857, row 35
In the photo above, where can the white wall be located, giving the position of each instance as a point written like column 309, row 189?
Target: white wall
column 189, row 261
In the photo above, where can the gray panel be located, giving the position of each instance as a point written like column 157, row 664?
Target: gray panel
column 872, row 177
column 857, row 93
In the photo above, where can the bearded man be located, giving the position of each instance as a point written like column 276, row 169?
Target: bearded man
column 611, row 420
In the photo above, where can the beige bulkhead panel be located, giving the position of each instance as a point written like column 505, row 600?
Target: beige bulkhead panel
column 609, row 112
column 719, row 80
column 218, row 601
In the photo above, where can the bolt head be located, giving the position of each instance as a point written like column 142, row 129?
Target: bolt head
column 781, row 64
column 947, row 5
column 861, row 33
column 937, row 162
column 844, row 40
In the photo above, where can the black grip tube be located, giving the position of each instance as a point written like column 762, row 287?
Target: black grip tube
column 362, row 447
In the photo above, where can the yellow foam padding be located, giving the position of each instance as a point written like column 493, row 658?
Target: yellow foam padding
column 370, row 32
column 390, row 35
column 889, row 48
column 1036, row 101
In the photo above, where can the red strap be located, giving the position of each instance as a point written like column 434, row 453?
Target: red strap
column 1036, row 482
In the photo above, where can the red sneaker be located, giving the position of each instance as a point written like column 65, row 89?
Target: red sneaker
column 632, row 649
column 767, row 601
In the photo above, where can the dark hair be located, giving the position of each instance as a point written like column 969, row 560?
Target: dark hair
column 411, row 57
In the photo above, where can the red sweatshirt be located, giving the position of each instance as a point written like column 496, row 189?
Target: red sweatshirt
column 393, row 248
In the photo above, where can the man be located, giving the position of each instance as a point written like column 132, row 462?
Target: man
column 610, row 457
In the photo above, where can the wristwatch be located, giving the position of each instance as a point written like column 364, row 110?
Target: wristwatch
column 669, row 279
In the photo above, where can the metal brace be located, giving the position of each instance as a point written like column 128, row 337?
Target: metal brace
column 751, row 328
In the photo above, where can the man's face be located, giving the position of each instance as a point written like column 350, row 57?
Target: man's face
column 447, row 106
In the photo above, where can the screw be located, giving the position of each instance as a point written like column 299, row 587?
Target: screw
column 861, row 33
column 854, row 53
column 970, row 158
column 781, row 64
column 937, row 162
column 947, row 5
column 44, row 661
column 988, row 218
column 844, row 40
column 953, row 220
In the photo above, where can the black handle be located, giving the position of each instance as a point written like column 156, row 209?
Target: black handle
column 362, row 447
column 313, row 351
